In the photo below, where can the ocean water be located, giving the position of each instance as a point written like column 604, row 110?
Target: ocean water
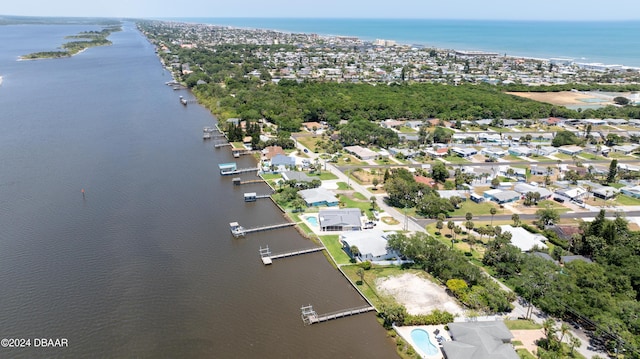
column 606, row 42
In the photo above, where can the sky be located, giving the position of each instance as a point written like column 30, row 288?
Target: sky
column 573, row 10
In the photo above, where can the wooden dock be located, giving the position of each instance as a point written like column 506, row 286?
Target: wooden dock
column 237, row 230
column 267, row 257
column 239, row 181
column 218, row 145
column 309, row 316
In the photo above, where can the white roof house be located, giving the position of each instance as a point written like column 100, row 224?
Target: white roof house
column 524, row 239
column 524, row 188
column 361, row 152
column 372, row 244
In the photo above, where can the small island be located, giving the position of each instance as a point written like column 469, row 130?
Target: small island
column 82, row 41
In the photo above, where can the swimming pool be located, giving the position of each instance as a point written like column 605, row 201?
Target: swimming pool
column 313, row 221
column 423, row 342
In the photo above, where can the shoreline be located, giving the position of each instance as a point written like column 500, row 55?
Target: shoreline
column 576, row 59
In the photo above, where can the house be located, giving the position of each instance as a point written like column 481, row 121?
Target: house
column 604, row 192
column 570, row 150
column 625, row 149
column 479, row 340
column 476, row 198
column 541, row 170
column 544, row 256
column 464, row 152
column 631, row 191
column 501, row 197
column 523, row 239
column 361, row 152
column 315, row 197
column 574, row 194
column 520, row 151
column 346, row 219
column 486, row 137
column 440, row 152
column 453, row 193
column 372, row 245
column 270, row 151
column 493, row 152
column 282, row 162
column 566, row 232
column 312, row 126
column 524, row 188
column 390, row 123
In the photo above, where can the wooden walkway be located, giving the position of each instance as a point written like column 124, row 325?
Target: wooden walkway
column 309, row 316
column 240, row 170
column 267, row 257
column 218, row 145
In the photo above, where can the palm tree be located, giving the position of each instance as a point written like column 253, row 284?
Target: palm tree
column 493, row 212
column 516, row 219
column 374, row 204
column 451, row 226
column 564, row 329
column 355, row 252
column 468, row 216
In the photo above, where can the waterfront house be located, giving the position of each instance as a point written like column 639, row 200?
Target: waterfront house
column 345, row 219
column 479, row 340
column 270, row 151
column 315, row 197
column 282, row 162
column 371, row 244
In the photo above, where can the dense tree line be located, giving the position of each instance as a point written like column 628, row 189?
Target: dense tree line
column 601, row 296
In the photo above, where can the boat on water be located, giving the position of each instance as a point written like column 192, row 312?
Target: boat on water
column 183, row 100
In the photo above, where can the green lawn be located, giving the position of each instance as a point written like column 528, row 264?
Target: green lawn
column 308, row 142
column 521, row 324
column 405, row 129
column 333, row 245
column 553, row 204
column 360, row 196
column 524, row 354
column 616, row 185
column 323, row 175
column 619, row 156
column 512, row 158
column 271, row 176
column 455, row 159
column 625, row 200
column 562, row 156
column 343, row 186
column 237, row 144
column 364, row 206
column 478, row 209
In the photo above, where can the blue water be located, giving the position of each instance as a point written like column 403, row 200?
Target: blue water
column 423, row 342
column 313, row 221
column 610, row 42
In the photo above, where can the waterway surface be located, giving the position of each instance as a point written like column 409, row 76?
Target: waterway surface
column 143, row 265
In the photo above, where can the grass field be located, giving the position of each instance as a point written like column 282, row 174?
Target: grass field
column 456, row 159
column 333, row 245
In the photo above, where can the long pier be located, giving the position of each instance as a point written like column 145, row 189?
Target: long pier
column 239, row 170
column 267, row 257
column 218, row 145
column 237, row 230
column 252, row 196
column 309, row 316
column 238, row 181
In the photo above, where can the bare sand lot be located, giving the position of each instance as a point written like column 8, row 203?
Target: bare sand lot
column 418, row 295
column 557, row 98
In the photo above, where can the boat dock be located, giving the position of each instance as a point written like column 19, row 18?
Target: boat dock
column 267, row 257
column 238, row 230
column 237, row 171
column 184, row 101
column 252, row 196
column 218, row 145
column 309, row 316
